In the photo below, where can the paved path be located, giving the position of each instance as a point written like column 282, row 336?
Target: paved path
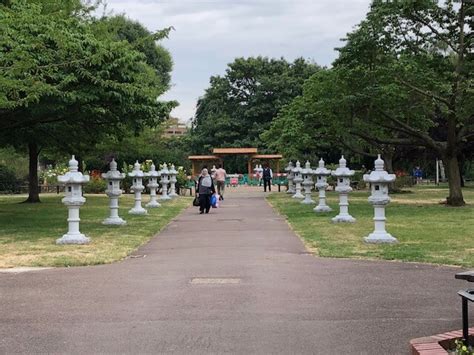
column 234, row 281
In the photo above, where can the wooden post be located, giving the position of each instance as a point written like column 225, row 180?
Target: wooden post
column 249, row 166
column 278, row 166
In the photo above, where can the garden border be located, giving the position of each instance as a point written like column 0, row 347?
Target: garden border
column 436, row 344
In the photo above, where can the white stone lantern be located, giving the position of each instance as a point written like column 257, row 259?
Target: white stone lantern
column 152, row 186
column 322, row 174
column 137, row 187
column 113, row 191
column 307, row 174
column 164, row 183
column 379, row 181
column 297, row 179
column 290, row 176
column 73, row 199
column 343, row 176
column 173, row 173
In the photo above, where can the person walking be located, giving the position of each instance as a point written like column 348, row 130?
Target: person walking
column 220, row 176
column 205, row 190
column 267, row 176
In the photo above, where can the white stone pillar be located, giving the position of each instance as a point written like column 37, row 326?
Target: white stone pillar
column 113, row 191
column 137, row 187
column 307, row 183
column 290, row 177
column 73, row 199
column 173, row 173
column 152, row 186
column 379, row 181
column 297, row 180
column 321, row 174
column 164, row 183
column 343, row 174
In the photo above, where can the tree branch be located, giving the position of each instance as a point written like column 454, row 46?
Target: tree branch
column 424, row 93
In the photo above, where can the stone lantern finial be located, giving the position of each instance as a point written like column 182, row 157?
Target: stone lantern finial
column 307, row 165
column 321, row 163
column 113, row 165
column 379, row 164
column 342, row 162
column 73, row 164
column 136, row 166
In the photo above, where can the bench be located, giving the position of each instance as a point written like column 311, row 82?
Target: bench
column 466, row 296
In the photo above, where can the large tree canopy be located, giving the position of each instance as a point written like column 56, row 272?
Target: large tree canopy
column 404, row 78
column 240, row 105
column 66, row 83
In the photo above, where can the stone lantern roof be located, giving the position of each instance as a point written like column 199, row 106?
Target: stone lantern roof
column 343, row 170
column 379, row 175
column 297, row 168
column 289, row 167
column 153, row 173
column 307, row 169
column 173, row 171
column 73, row 176
column 136, row 172
column 165, row 170
column 113, row 173
column 321, row 169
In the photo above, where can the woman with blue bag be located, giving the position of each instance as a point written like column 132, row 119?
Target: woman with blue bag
column 205, row 189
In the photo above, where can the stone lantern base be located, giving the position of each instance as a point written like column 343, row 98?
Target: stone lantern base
column 153, row 204
column 380, row 237
column 343, row 219
column 138, row 210
column 322, row 209
column 165, row 198
column 117, row 221
column 307, row 201
column 73, row 239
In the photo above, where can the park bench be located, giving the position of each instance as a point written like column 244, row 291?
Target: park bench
column 466, row 296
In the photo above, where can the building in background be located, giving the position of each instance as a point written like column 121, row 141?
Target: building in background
column 174, row 128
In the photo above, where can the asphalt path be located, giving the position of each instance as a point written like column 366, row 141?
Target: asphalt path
column 237, row 280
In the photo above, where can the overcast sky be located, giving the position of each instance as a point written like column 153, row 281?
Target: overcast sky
column 210, row 34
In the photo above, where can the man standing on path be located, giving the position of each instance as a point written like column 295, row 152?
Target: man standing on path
column 267, row 175
column 220, row 176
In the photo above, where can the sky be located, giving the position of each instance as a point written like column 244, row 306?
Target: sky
column 209, row 34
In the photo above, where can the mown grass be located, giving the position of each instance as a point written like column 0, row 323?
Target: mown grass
column 28, row 231
column 427, row 231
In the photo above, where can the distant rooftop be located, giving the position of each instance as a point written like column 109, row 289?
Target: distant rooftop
column 234, row 151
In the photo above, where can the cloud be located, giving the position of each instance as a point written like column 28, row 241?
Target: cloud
column 210, row 34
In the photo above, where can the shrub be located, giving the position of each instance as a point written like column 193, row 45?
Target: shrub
column 8, row 180
column 96, row 185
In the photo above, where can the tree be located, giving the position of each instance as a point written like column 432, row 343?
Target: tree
column 62, row 81
column 404, row 78
column 240, row 105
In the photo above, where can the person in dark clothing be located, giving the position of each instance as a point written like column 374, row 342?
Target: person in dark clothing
column 267, row 176
column 205, row 190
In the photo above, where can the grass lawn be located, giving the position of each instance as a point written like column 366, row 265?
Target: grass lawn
column 426, row 230
column 28, row 231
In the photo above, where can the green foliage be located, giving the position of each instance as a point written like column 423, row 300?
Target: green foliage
column 462, row 349
column 50, row 175
column 17, row 162
column 239, row 106
column 403, row 78
column 8, row 180
column 96, row 185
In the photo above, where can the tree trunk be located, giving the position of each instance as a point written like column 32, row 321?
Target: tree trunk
column 33, row 186
column 455, row 197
